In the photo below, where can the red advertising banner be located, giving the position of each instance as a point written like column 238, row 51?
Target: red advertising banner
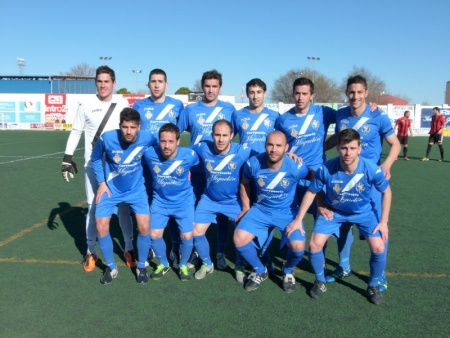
column 132, row 98
column 55, row 108
column 37, row 126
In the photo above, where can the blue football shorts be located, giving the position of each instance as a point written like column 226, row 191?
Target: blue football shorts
column 259, row 222
column 184, row 216
column 365, row 222
column 138, row 203
column 208, row 209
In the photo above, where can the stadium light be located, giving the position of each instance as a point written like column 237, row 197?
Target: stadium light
column 137, row 72
column 105, row 58
column 312, row 59
column 21, row 64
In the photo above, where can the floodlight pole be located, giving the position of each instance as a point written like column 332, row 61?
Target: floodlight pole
column 312, row 59
column 21, row 64
column 137, row 72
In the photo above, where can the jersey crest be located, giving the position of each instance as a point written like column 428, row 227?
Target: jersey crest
column 117, row 158
column 284, row 182
column 365, row 128
column 360, row 187
column 180, row 171
column 232, row 165
column 267, row 123
column 315, row 124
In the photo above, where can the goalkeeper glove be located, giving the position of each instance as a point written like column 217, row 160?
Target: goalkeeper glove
column 69, row 168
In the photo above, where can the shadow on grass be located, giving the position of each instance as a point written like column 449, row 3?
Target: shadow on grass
column 73, row 220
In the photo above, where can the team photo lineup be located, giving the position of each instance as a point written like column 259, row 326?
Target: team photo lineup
column 276, row 174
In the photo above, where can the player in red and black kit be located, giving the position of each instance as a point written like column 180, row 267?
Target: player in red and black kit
column 436, row 133
column 402, row 125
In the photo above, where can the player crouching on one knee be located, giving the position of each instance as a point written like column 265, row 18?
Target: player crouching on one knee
column 348, row 180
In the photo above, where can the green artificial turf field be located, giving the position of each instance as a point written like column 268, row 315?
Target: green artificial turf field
column 46, row 293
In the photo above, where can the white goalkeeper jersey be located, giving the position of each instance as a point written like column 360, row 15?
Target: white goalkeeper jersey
column 89, row 116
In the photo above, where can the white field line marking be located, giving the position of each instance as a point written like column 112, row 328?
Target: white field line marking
column 26, row 158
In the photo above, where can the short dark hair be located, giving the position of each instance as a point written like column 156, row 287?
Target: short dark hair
column 222, row 121
column 348, row 135
column 157, row 71
column 303, row 81
column 169, row 128
column 212, row 75
column 437, row 108
column 406, row 112
column 255, row 82
column 105, row 70
column 356, row 79
column 129, row 114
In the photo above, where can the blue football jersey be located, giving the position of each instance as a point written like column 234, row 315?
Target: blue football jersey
column 348, row 193
column 371, row 126
column 306, row 133
column 222, row 171
column 154, row 115
column 254, row 128
column 122, row 170
column 275, row 189
column 197, row 118
column 171, row 184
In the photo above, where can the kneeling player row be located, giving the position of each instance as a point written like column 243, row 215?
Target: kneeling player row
column 274, row 177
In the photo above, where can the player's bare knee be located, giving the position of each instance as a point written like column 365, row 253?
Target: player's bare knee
column 143, row 229
column 297, row 246
column 143, row 224
column 376, row 244
column 241, row 238
column 186, row 235
column 199, row 229
column 155, row 234
column 102, row 226
column 379, row 248
column 315, row 246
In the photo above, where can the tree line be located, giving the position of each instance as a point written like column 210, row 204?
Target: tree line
column 327, row 90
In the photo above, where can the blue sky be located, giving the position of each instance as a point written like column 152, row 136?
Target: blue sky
column 402, row 42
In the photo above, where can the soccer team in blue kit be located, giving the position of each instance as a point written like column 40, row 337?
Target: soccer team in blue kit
column 267, row 182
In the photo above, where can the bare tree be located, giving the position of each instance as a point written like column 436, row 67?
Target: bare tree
column 197, row 87
column 282, row 87
column 325, row 89
column 82, row 70
column 375, row 85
